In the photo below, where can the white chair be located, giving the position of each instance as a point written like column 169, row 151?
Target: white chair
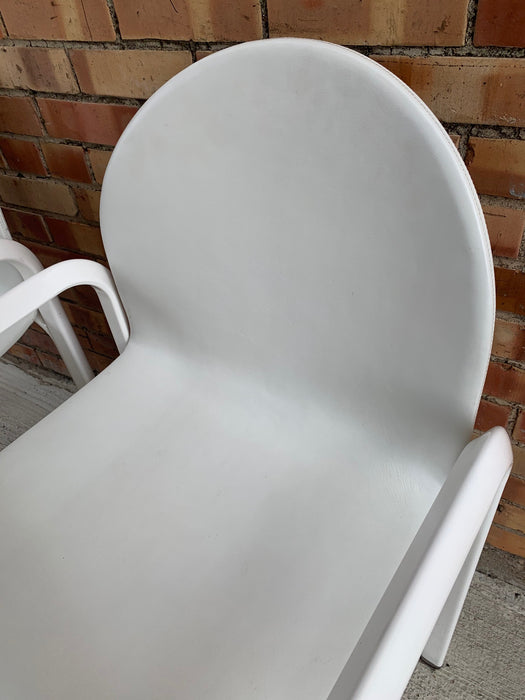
column 270, row 493
column 16, row 264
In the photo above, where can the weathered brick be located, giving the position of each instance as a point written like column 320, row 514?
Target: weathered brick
column 48, row 255
column 92, row 321
column 497, row 166
column 41, row 341
column 22, row 352
column 98, row 362
column 76, row 236
column 27, row 226
column 203, row 54
column 126, row 73
column 82, row 295
column 37, row 194
column 18, row 116
column 511, row 542
column 88, row 203
column 52, row 362
column 455, row 138
column 510, row 290
column 203, row 20
column 466, row 90
column 103, row 344
column 74, row 20
column 519, row 429
column 491, row 414
column 373, row 22
column 518, row 468
column 505, row 382
column 500, row 23
column 22, row 156
column 27, row 68
column 64, row 160
column 85, row 121
column 99, row 161
column 515, row 491
column 509, row 340
column 510, row 516
column 505, row 226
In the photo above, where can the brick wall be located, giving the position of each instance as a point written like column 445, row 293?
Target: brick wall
column 73, row 73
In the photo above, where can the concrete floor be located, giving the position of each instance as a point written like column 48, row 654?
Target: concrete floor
column 487, row 654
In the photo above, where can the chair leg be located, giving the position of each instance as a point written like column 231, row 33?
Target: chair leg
column 57, row 325
column 437, row 645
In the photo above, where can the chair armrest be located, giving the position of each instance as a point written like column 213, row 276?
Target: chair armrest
column 392, row 642
column 43, row 286
column 20, row 257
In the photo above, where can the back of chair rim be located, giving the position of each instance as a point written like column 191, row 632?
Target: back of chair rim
column 289, row 209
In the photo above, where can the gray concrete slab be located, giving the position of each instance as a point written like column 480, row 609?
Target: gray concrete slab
column 487, row 654
column 26, row 397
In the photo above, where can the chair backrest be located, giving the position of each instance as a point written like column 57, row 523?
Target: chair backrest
column 290, row 209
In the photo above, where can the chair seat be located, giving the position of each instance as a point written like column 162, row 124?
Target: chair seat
column 208, row 551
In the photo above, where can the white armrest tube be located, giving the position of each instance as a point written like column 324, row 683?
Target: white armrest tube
column 380, row 666
column 49, row 283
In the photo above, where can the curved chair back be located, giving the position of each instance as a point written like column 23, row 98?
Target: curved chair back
column 289, row 209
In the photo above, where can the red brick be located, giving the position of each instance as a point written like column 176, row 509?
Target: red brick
column 511, row 542
column 505, row 226
column 104, row 345
column 88, row 203
column 518, row 468
column 500, row 23
column 455, row 138
column 510, row 290
column 505, row 382
column 37, row 194
column 126, row 73
column 509, row 340
column 497, row 166
column 74, row 20
column 64, row 160
column 203, row 54
column 510, row 516
column 98, row 362
column 27, row 226
column 466, row 90
column 92, row 321
column 83, row 295
column 24, row 353
column 28, row 68
column 519, row 429
column 491, row 414
column 85, row 121
column 99, row 162
column 18, row 116
column 76, row 236
column 372, row 22
column 48, row 255
column 38, row 340
column 203, row 20
column 52, row 362
column 22, row 156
